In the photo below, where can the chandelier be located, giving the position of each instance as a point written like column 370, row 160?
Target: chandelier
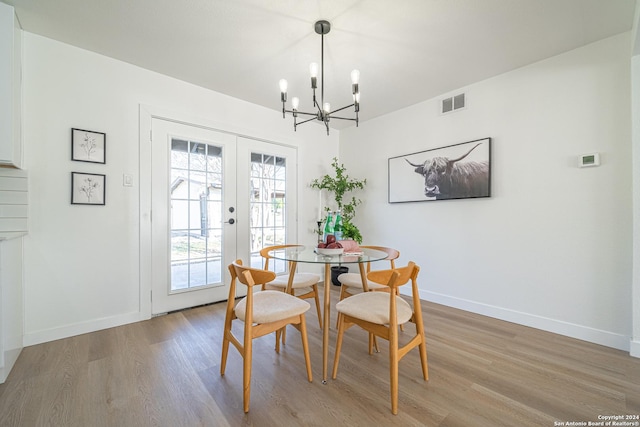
column 324, row 113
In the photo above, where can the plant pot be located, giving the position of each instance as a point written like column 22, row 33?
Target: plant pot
column 336, row 271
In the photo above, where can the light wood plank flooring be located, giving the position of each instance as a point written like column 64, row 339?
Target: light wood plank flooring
column 165, row 372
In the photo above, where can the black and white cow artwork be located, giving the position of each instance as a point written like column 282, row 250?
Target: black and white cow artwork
column 446, row 178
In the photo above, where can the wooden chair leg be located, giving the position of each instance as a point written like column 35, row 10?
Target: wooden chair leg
column 246, row 374
column 305, row 346
column 422, row 347
column 278, row 338
column 393, row 367
column 344, row 293
column 317, row 298
column 336, row 360
column 225, row 352
column 373, row 343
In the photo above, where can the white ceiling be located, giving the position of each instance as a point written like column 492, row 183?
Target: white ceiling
column 407, row 51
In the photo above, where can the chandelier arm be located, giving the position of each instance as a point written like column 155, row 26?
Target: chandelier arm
column 307, row 114
column 299, row 112
column 343, row 108
column 343, row 118
column 305, row 121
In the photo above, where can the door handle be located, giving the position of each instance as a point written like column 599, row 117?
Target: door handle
column 231, row 221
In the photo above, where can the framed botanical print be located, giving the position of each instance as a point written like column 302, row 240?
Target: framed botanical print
column 88, row 146
column 87, row 188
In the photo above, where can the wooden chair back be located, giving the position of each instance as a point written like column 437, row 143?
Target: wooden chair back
column 392, row 255
column 249, row 276
column 264, row 253
column 405, row 274
column 409, row 272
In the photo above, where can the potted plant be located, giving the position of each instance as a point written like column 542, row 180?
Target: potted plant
column 339, row 184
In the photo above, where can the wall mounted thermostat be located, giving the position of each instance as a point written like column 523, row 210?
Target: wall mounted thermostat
column 588, row 160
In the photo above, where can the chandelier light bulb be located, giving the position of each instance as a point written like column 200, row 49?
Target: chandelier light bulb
column 295, row 101
column 326, row 107
column 313, row 69
column 355, row 77
column 283, row 86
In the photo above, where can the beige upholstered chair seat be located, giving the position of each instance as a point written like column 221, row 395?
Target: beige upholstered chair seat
column 271, row 306
column 374, row 307
column 354, row 280
column 303, row 285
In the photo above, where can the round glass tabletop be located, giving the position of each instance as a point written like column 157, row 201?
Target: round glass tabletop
column 308, row 255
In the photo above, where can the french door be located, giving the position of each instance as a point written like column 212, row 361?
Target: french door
column 215, row 197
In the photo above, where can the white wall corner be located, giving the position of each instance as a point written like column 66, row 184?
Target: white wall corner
column 10, row 358
column 635, row 31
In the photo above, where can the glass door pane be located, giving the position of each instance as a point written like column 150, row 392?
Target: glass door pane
column 266, row 182
column 267, row 206
column 196, row 214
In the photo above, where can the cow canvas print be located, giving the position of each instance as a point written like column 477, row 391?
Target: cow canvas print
column 459, row 171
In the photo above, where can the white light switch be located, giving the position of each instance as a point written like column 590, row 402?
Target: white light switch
column 127, row 180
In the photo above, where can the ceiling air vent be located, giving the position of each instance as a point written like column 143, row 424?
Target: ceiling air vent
column 454, row 103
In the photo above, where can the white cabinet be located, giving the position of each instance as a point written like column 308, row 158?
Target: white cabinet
column 10, row 88
column 14, row 203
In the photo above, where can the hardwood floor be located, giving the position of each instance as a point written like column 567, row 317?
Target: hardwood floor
column 165, row 372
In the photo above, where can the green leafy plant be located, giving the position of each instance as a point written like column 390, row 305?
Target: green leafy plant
column 339, row 184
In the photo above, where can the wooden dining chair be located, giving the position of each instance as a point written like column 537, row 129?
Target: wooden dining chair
column 380, row 313
column 262, row 312
column 301, row 285
column 351, row 283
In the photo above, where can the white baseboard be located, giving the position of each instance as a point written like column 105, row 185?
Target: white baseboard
column 46, row 335
column 608, row 339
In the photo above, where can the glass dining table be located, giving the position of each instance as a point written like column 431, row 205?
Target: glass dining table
column 309, row 256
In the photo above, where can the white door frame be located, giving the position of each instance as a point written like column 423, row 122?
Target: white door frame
column 146, row 114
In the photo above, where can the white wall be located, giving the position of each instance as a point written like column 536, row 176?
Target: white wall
column 552, row 247
column 82, row 262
